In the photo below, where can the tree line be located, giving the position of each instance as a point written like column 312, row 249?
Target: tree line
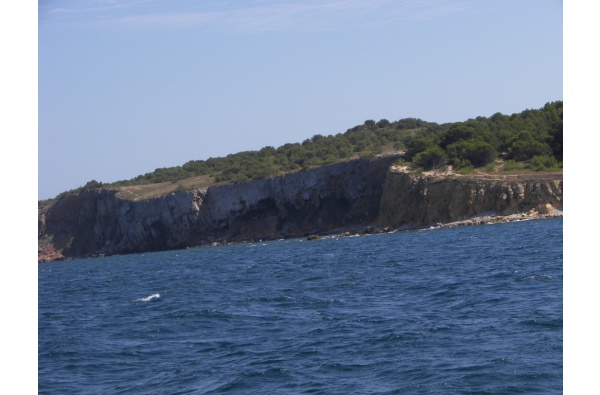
column 531, row 139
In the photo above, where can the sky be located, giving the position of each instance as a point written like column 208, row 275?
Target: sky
column 129, row 86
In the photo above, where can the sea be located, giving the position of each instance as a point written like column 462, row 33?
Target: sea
column 468, row 310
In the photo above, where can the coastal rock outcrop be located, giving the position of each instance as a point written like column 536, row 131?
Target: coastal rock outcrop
column 419, row 200
column 97, row 222
column 364, row 194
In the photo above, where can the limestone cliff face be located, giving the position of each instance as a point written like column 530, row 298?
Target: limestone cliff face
column 413, row 201
column 97, row 222
column 353, row 194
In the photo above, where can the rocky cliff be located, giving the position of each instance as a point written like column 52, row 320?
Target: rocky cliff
column 420, row 200
column 97, row 222
column 344, row 196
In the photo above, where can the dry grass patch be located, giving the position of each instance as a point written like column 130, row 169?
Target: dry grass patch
column 149, row 191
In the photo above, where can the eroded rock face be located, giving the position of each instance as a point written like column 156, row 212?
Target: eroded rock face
column 414, row 201
column 359, row 194
column 96, row 222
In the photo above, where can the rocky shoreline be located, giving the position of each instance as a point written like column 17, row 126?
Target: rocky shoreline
column 49, row 254
column 498, row 219
column 363, row 196
column 478, row 220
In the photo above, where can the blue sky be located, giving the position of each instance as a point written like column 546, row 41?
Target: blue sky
column 128, row 86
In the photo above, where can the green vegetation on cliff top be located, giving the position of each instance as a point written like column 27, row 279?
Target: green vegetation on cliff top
column 530, row 140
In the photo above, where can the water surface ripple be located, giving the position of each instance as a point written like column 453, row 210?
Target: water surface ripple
column 472, row 310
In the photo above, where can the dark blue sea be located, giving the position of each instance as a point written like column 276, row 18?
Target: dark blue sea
column 470, row 310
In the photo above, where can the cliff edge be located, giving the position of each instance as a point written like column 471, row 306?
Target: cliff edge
column 411, row 200
column 346, row 196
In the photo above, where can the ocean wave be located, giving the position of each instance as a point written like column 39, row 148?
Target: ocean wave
column 433, row 312
column 148, row 298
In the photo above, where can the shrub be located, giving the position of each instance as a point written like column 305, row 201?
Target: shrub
column 466, row 169
column 399, row 162
column 478, row 152
column 92, row 185
column 415, row 146
column 545, row 162
column 431, row 158
column 523, row 150
column 491, row 167
column 511, row 164
column 458, row 133
column 383, row 123
column 367, row 155
column 464, row 165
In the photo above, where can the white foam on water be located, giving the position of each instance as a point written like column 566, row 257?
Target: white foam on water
column 148, row 298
